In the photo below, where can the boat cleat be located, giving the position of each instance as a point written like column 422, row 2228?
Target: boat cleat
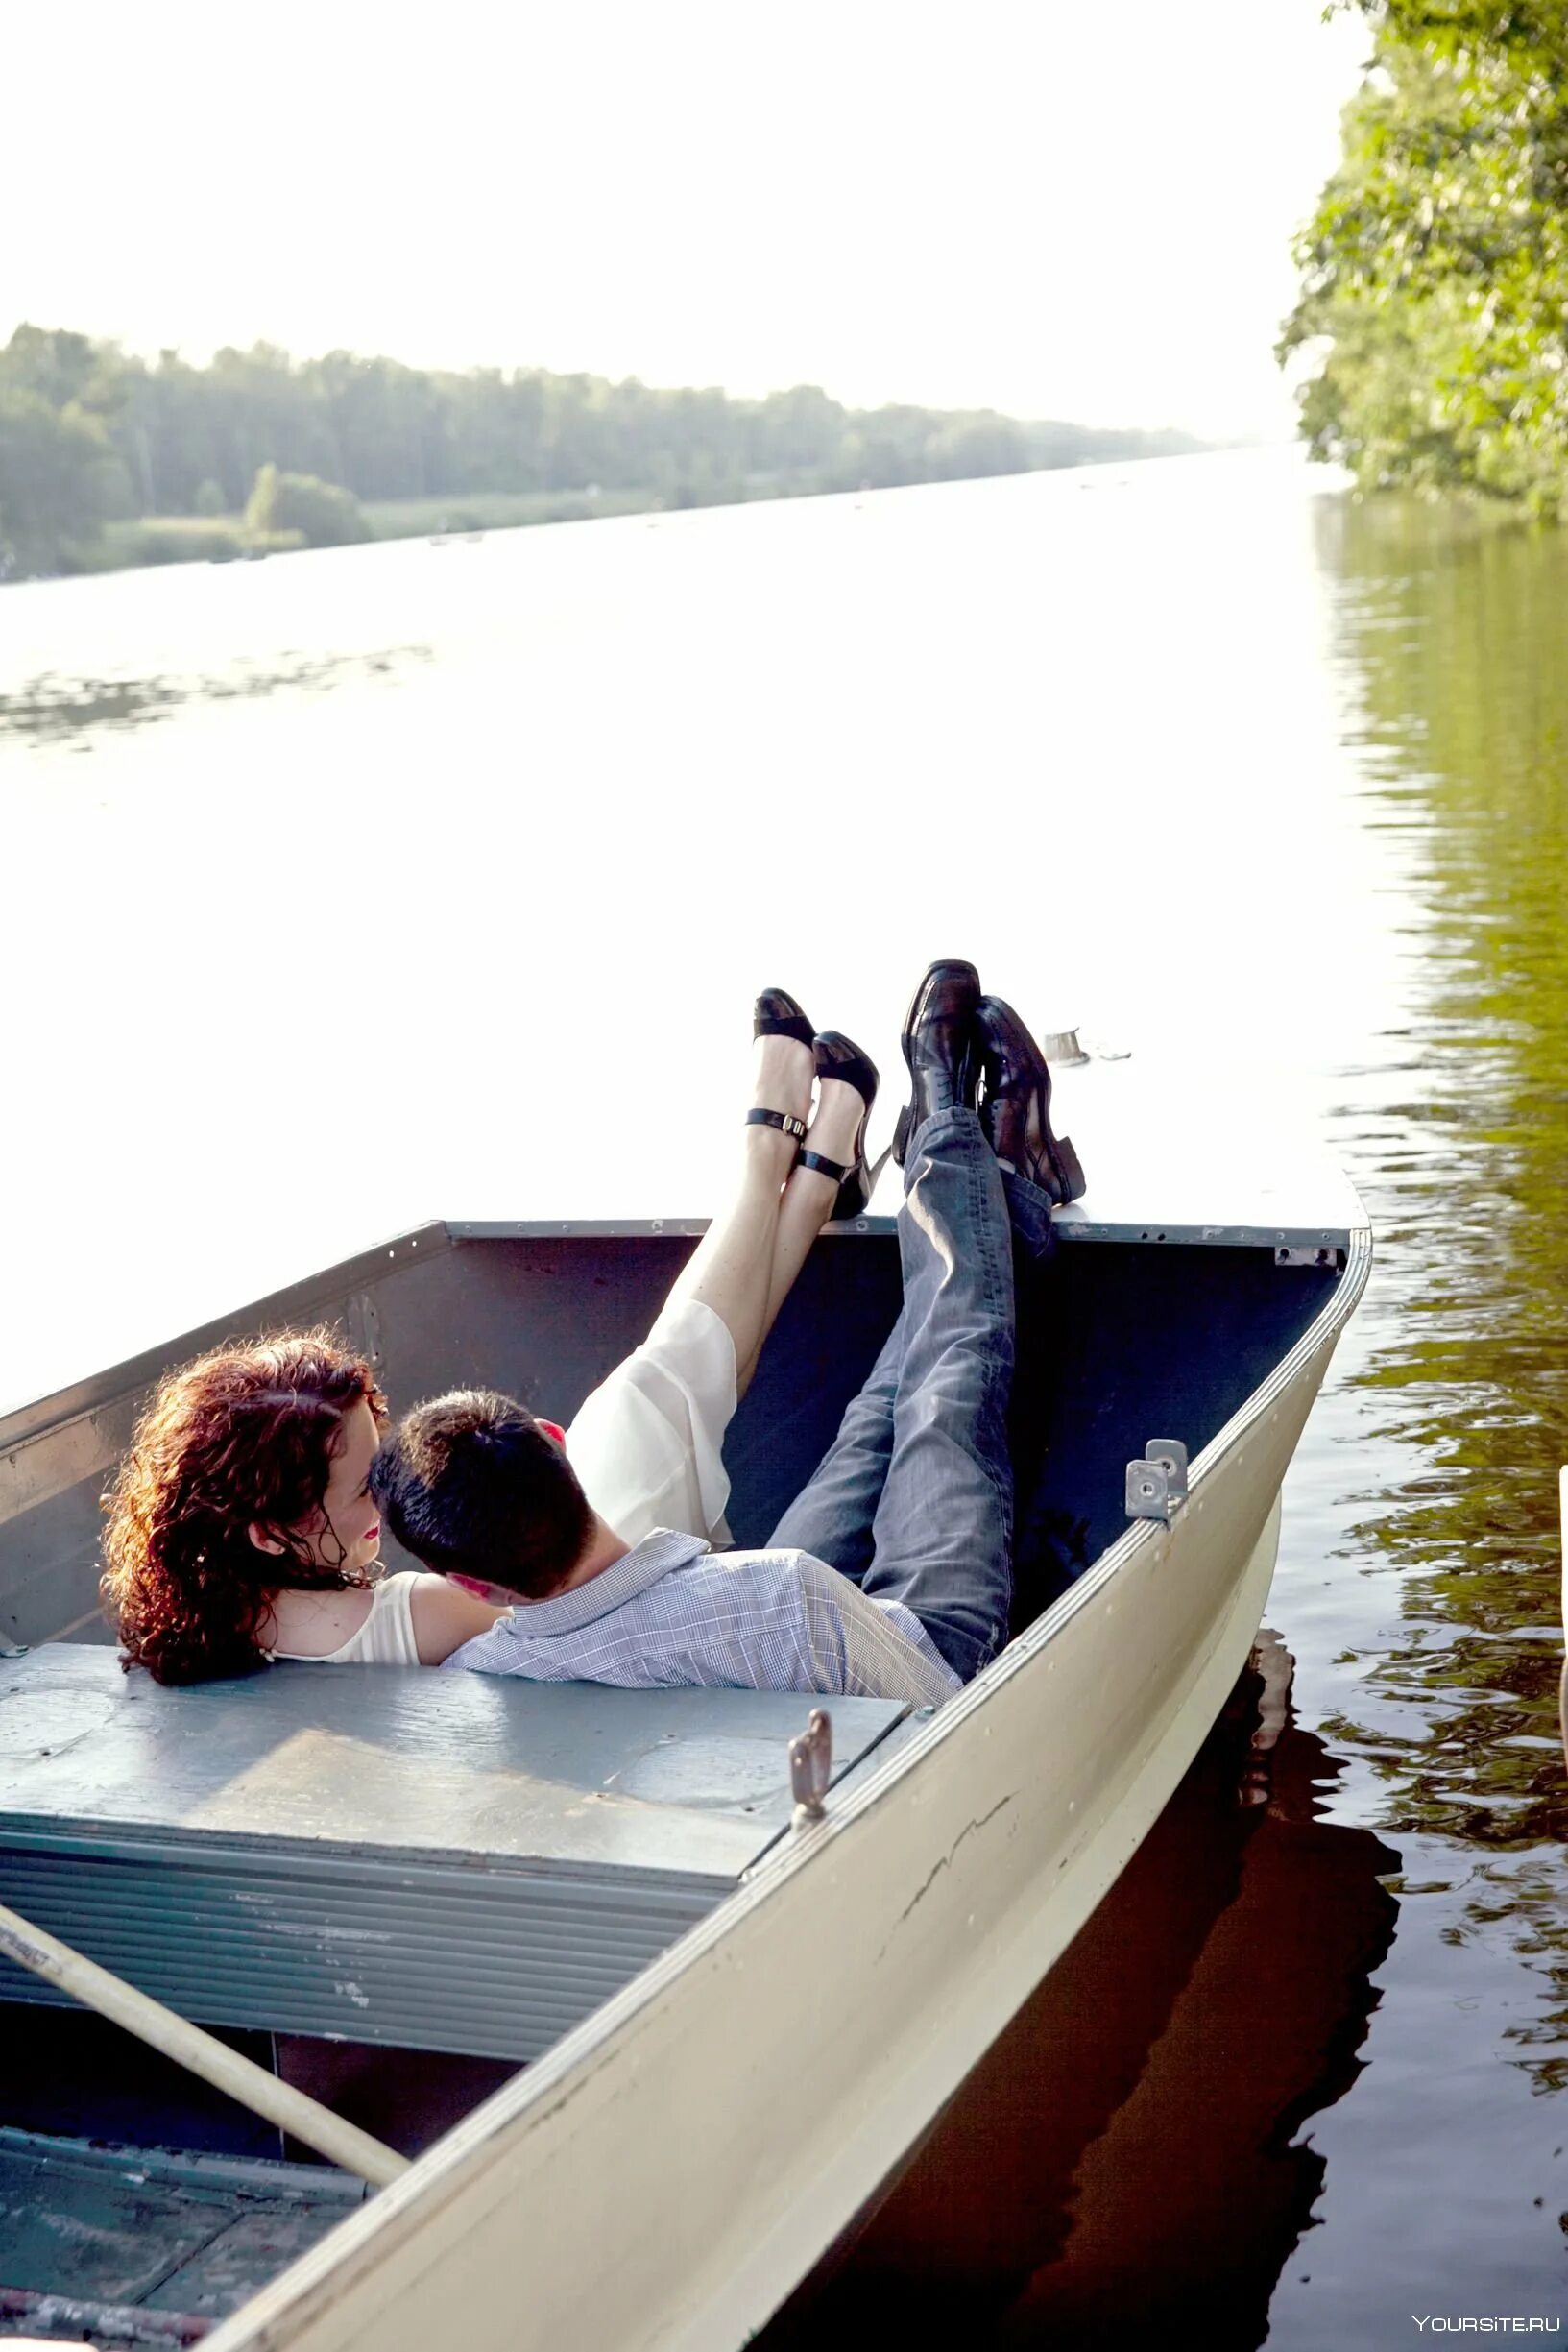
column 1157, row 1483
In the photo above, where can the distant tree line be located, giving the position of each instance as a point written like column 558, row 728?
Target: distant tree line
column 1435, row 271
column 91, row 434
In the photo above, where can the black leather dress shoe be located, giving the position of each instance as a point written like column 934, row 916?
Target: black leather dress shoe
column 1015, row 1109
column 941, row 1047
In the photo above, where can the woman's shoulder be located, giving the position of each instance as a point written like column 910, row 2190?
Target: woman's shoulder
column 444, row 1617
column 315, row 1624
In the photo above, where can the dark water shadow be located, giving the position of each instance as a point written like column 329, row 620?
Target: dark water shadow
column 1124, row 2163
column 52, row 709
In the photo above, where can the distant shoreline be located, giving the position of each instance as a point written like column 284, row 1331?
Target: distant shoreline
column 158, row 540
column 109, row 461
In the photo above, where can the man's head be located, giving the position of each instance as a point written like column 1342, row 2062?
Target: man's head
column 473, row 1486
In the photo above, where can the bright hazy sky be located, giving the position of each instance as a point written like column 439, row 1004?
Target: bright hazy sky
column 1052, row 208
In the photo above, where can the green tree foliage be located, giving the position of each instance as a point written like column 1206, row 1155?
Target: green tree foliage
column 188, row 441
column 61, row 476
column 297, row 506
column 59, row 482
column 1434, row 271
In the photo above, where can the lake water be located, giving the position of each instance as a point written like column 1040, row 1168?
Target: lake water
column 349, row 890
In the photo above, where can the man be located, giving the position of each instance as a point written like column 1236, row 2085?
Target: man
column 890, row 1576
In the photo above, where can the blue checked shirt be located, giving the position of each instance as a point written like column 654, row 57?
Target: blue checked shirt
column 671, row 1613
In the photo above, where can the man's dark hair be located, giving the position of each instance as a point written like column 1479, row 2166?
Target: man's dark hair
column 473, row 1486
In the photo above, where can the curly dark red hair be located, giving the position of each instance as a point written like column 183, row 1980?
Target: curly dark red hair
column 244, row 1436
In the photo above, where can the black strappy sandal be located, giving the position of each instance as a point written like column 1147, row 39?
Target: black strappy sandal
column 839, row 1056
column 777, row 1014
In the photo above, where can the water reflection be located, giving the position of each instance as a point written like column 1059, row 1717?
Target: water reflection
column 1131, row 2158
column 1414, row 784
column 1453, row 635
column 1127, row 2157
column 49, row 708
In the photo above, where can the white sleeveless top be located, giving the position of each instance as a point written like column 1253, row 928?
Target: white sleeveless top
column 386, row 1638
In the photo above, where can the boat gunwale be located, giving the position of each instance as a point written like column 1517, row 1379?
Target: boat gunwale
column 41, row 1417
column 547, row 2083
column 36, row 1418
column 1068, row 1226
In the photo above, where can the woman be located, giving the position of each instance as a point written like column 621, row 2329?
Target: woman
column 241, row 1528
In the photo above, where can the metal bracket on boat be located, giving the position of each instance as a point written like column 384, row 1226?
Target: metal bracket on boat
column 1158, row 1483
column 811, row 1766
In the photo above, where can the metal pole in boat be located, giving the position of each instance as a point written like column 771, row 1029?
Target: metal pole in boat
column 97, row 1988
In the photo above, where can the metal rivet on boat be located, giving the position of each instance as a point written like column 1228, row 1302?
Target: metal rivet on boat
column 811, row 1767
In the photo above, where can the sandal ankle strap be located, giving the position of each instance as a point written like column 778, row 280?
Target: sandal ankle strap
column 822, row 1165
column 780, row 1119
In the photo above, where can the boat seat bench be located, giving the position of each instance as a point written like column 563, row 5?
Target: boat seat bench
column 436, row 1862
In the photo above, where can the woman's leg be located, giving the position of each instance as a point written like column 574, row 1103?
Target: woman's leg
column 806, row 1206
column 648, row 1442
column 731, row 1269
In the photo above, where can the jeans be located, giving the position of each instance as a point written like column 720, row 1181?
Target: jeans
column 915, row 1498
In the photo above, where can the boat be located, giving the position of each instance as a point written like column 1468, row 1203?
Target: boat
column 656, row 1988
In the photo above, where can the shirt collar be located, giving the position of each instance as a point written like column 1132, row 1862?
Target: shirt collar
column 642, row 1566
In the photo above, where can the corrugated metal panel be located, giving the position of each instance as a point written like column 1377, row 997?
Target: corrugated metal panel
column 495, row 1963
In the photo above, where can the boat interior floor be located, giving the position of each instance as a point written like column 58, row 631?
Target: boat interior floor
column 139, row 2204
column 145, row 2245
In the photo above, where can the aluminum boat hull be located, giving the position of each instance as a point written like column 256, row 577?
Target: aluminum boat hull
column 668, row 2171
